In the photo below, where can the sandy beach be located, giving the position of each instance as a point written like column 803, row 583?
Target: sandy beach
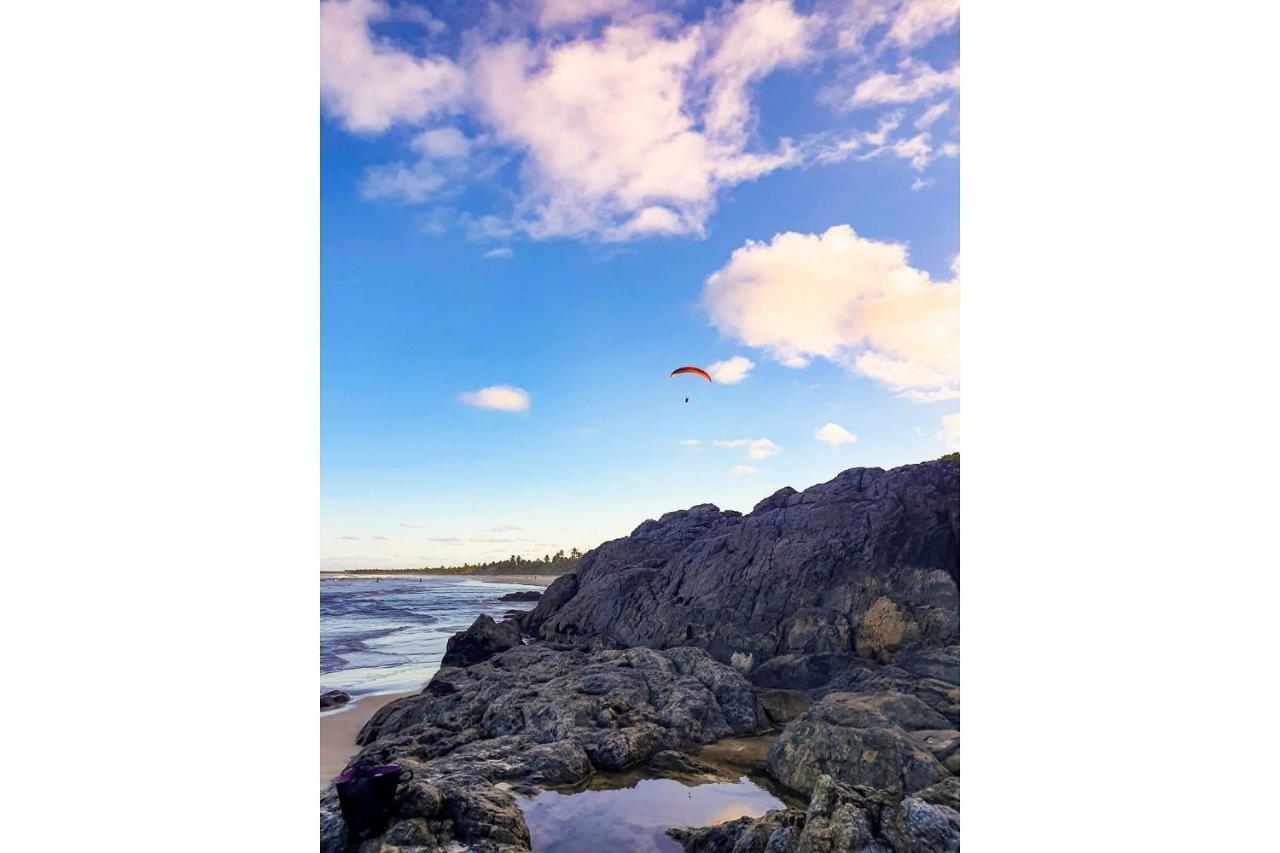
column 338, row 732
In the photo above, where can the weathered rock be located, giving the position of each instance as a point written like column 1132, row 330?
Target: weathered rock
column 481, row 641
column 783, row 706
column 944, row 793
column 859, row 739
column 921, row 827
column 669, row 762
column 534, row 715
column 933, row 676
column 840, row 819
column 804, row 671
column 334, row 698
column 942, row 744
column 772, row 832
column 522, row 595
column 865, row 564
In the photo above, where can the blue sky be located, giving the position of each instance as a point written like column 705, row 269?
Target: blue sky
column 546, row 199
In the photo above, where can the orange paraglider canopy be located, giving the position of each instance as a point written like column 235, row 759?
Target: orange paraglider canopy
column 696, row 371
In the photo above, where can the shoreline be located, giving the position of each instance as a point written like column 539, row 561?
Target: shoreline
column 339, row 727
column 528, row 580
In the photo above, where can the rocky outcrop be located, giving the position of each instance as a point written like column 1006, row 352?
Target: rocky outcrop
column 864, row 568
column 840, row 819
column 484, row 639
column 522, row 595
column 334, row 698
column 537, row 715
column 829, row 615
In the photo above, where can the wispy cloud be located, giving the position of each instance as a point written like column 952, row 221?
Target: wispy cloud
column 690, row 442
column 757, row 448
column 743, row 469
column 504, row 398
column 500, row 252
column 913, row 81
column 950, row 433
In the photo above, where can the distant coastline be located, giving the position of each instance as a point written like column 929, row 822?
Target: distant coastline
column 364, row 574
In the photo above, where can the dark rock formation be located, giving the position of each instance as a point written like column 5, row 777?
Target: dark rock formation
column 831, row 614
column 484, row 639
column 880, row 740
column 840, row 819
column 540, row 715
column 522, row 595
column 334, row 698
column 864, row 567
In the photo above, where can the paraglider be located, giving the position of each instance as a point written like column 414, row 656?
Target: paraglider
column 693, row 371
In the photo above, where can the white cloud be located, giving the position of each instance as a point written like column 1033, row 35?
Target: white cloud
column 757, row 448
column 919, row 21
column 367, row 82
column 929, row 116
column 912, row 82
column 834, row 435
column 506, row 398
column 950, row 433
column 743, row 469
column 845, row 298
column 442, row 143
column 690, row 442
column 555, row 13
column 731, row 371
column 921, row 183
column 500, row 252
column 634, row 132
column 442, row 158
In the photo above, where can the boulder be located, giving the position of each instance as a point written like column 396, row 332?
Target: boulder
column 522, row 595
column 783, row 706
column 481, row 641
column 859, row 739
column 334, row 698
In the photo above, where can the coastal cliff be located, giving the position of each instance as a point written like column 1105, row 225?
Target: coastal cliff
column 828, row 616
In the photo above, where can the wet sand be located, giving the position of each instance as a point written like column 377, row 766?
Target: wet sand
column 338, row 732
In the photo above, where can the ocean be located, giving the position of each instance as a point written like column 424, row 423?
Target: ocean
column 387, row 635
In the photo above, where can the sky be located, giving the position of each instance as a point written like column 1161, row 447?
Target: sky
column 532, row 212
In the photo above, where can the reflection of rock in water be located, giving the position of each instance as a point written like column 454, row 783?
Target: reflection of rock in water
column 635, row 815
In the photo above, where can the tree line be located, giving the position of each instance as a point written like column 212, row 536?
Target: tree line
column 549, row 564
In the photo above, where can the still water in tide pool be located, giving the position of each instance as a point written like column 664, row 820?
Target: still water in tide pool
column 636, row 819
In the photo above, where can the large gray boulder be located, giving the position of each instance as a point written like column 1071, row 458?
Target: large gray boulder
column 484, row 639
column 865, row 567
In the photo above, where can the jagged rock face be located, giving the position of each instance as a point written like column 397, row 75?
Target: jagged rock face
column 484, row 639
column 866, row 565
